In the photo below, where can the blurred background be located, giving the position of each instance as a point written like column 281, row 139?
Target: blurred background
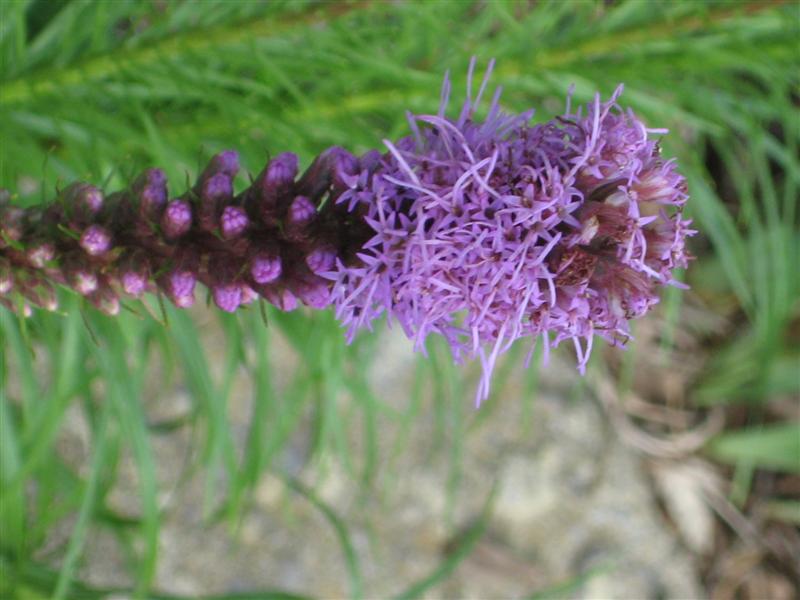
column 176, row 455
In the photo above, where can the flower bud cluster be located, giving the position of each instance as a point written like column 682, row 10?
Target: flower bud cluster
column 271, row 240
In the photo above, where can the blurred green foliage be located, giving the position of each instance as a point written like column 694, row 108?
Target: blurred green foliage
column 101, row 90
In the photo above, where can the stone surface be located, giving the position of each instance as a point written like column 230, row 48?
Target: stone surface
column 570, row 502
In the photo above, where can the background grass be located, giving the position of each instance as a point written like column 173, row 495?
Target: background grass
column 100, row 90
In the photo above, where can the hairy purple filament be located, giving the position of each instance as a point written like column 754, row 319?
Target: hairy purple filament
column 485, row 232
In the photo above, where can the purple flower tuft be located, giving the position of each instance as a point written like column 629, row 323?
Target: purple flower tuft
column 485, row 232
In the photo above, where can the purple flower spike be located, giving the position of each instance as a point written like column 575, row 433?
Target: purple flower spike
column 321, row 260
column 481, row 231
column 265, row 268
column 95, row 240
column 180, row 287
column 228, row 297
column 234, row 221
column 177, row 219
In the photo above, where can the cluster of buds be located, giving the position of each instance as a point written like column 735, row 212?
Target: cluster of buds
column 271, row 240
column 480, row 231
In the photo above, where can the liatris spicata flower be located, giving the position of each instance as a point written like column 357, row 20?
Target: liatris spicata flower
column 481, row 231
column 488, row 231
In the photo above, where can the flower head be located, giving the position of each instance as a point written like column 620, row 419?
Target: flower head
column 488, row 231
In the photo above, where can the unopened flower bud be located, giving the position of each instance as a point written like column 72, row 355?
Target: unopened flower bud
column 265, row 268
column 133, row 283
column 314, row 292
column 216, row 190
column 225, row 163
column 321, row 259
column 280, row 297
column 227, row 296
column 134, row 273
column 80, row 278
column 233, row 222
column 81, row 202
column 335, row 168
column 96, row 240
column 40, row 293
column 180, row 287
column 6, row 277
column 150, row 190
column 177, row 219
column 249, row 295
column 40, row 254
column 11, row 224
column 105, row 300
column 301, row 213
column 272, row 188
